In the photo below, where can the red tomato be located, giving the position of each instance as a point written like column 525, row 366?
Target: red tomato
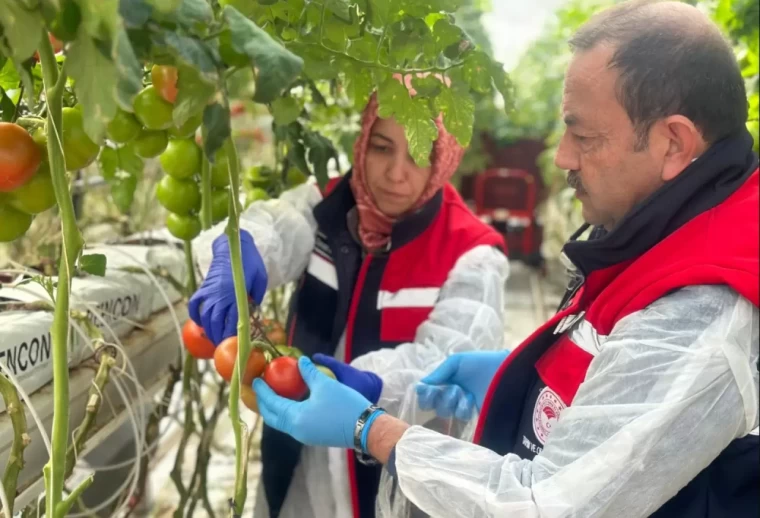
column 165, row 81
column 19, row 156
column 225, row 357
column 196, row 342
column 283, row 376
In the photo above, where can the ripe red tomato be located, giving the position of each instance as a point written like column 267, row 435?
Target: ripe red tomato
column 225, row 357
column 283, row 376
column 19, row 156
column 196, row 342
column 165, row 81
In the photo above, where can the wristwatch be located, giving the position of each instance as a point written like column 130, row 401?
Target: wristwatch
column 365, row 419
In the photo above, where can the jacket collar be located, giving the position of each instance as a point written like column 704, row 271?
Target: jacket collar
column 706, row 183
column 332, row 215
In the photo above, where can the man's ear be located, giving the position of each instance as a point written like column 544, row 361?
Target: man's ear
column 684, row 143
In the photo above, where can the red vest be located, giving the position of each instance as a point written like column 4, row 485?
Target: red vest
column 719, row 246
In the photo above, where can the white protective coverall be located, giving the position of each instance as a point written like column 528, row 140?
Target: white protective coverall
column 674, row 384
column 467, row 316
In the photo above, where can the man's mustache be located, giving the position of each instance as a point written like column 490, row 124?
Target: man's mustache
column 574, row 181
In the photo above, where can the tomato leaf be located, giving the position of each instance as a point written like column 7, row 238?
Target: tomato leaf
column 21, row 27
column 458, row 111
column 135, row 13
column 383, row 12
column 9, row 77
column 503, row 85
column 94, row 264
column 193, row 94
column 129, row 70
column 216, row 120
column 358, row 84
column 285, row 110
column 194, row 53
column 321, row 151
column 194, row 11
column 277, row 67
column 123, row 191
column 165, row 6
column 112, row 160
column 95, row 91
column 420, row 130
column 7, row 108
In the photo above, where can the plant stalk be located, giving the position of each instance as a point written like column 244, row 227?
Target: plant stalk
column 244, row 330
column 206, row 215
column 72, row 245
column 187, row 430
column 20, row 440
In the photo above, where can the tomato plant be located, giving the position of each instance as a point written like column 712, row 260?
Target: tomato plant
column 283, row 376
column 19, row 156
column 196, row 342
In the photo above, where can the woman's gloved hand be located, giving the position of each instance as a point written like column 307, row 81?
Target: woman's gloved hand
column 213, row 306
column 366, row 383
column 460, row 383
column 327, row 418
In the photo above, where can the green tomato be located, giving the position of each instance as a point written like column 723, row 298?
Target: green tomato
column 229, row 55
column 182, row 159
column 188, row 129
column 14, row 223
column 152, row 110
column 150, row 144
column 259, row 176
column 179, row 196
column 255, row 194
column 220, row 204
column 295, row 177
column 185, row 228
column 123, row 128
column 37, row 195
column 78, row 149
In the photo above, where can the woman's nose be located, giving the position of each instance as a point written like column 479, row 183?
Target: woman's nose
column 395, row 172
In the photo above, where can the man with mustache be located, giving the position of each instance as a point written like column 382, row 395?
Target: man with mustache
column 640, row 397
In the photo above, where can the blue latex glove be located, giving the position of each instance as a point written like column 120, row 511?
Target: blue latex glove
column 366, row 383
column 459, row 383
column 327, row 418
column 213, row 306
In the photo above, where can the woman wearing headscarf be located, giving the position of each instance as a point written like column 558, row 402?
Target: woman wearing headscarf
column 394, row 273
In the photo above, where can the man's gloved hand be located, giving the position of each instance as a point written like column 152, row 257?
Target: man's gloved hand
column 213, row 306
column 327, row 418
column 366, row 383
column 459, row 383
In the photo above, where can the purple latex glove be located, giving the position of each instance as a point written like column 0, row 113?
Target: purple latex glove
column 213, row 306
column 366, row 383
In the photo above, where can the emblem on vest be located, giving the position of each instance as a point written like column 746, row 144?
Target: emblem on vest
column 546, row 413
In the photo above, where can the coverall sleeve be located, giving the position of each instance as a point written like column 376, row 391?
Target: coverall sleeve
column 283, row 230
column 672, row 386
column 468, row 315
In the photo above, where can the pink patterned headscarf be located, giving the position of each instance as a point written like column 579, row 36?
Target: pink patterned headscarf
column 374, row 226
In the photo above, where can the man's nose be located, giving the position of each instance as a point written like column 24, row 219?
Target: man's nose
column 566, row 158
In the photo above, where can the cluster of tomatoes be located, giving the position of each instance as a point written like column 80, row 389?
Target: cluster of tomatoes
column 277, row 365
column 26, row 187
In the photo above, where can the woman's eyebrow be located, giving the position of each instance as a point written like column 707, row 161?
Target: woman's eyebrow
column 380, row 135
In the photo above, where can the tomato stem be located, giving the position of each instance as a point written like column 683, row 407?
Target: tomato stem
column 206, row 210
column 192, row 283
column 244, row 330
column 54, row 470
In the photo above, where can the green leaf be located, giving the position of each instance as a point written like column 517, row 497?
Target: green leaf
column 9, row 77
column 22, row 27
column 297, row 155
column 420, row 130
column 393, row 98
column 341, row 8
column 428, row 86
column 193, row 94
column 94, row 264
column 277, row 67
column 503, row 85
column 358, row 84
column 129, row 70
column 95, row 91
column 135, row 13
column 123, row 191
column 458, row 111
column 421, row 8
column 285, row 110
column 446, row 34
column 194, row 53
column 477, row 71
column 216, row 121
column 383, row 12
column 113, row 160
column 410, row 40
column 321, row 151
column 191, row 12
